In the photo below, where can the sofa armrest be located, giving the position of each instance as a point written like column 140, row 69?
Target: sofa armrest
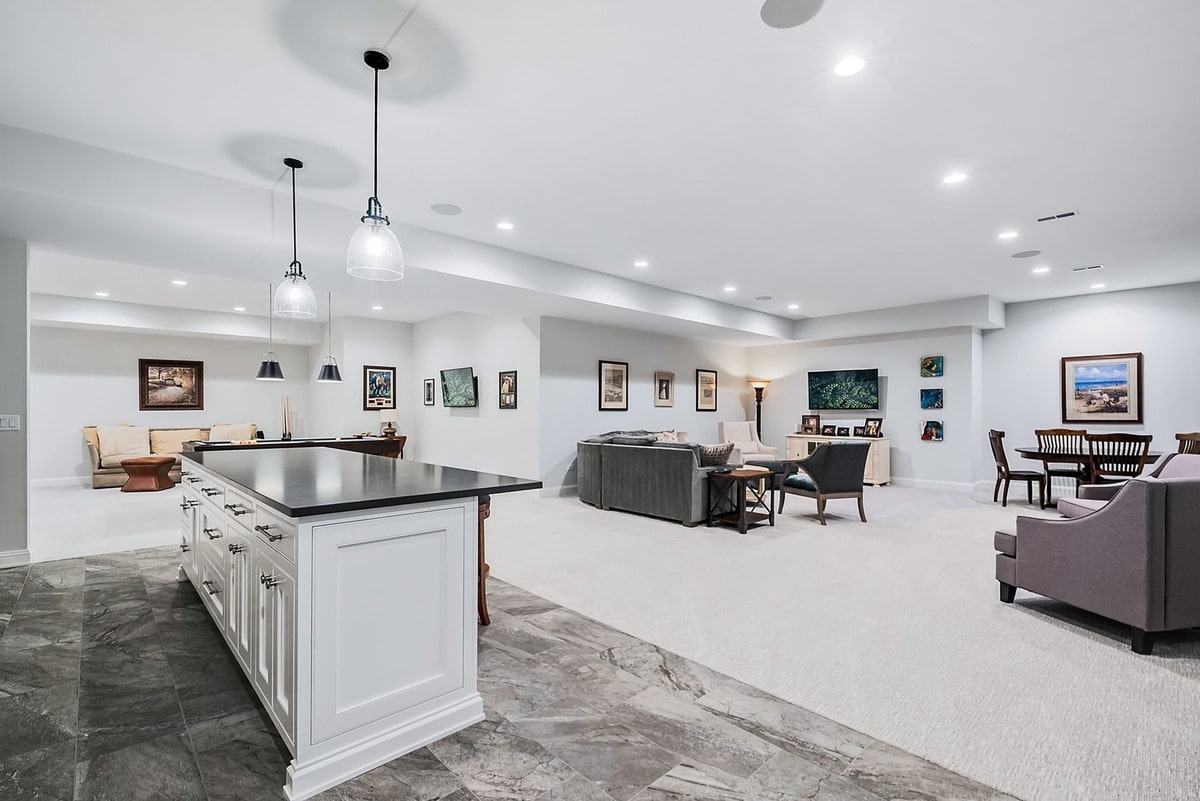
column 95, row 456
column 1098, row 492
column 768, row 450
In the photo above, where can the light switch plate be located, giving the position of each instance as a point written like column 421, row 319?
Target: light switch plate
column 10, row 422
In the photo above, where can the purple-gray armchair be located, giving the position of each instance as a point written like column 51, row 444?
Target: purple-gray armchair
column 1135, row 560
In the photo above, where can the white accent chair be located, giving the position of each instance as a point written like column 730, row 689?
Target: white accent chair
column 747, row 447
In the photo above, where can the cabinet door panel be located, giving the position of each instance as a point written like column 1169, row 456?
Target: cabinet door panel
column 238, row 604
column 262, row 658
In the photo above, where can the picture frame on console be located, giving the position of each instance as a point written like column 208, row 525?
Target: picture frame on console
column 874, row 426
column 1102, row 389
column 828, row 431
column 664, row 388
column 430, row 389
column 379, row 387
column 508, row 389
column 843, row 431
column 706, row 390
column 810, row 424
column 860, row 431
column 170, row 384
column 613, row 383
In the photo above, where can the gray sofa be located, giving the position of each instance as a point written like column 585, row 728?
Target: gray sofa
column 663, row 479
column 1135, row 560
column 1091, row 497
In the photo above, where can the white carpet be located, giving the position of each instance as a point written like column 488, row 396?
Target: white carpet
column 893, row 628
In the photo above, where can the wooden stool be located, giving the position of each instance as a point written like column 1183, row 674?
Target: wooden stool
column 485, row 511
column 148, row 473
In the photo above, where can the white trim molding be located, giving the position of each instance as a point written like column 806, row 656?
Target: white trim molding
column 14, row 558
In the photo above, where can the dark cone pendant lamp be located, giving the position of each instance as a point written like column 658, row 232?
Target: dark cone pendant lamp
column 374, row 252
column 295, row 297
column 270, row 370
column 330, row 374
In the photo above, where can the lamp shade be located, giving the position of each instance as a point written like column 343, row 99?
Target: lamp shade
column 294, row 298
column 374, row 252
column 269, row 370
column 759, row 383
column 389, row 416
column 330, row 374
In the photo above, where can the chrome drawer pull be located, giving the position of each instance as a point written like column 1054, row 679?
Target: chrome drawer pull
column 183, row 547
column 188, row 504
column 194, row 479
column 265, row 529
column 267, row 581
column 210, row 491
column 235, row 548
column 237, row 509
column 211, row 535
column 208, row 585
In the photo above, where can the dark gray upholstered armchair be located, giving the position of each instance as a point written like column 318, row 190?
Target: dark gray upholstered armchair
column 1136, row 560
column 833, row 470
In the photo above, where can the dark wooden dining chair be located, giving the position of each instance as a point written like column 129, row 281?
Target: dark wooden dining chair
column 1189, row 443
column 1116, row 457
column 1061, row 440
column 1005, row 475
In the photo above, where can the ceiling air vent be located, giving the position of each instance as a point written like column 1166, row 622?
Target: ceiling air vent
column 1062, row 216
column 1087, row 268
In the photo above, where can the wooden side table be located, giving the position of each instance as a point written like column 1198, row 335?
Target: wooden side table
column 744, row 484
column 148, row 473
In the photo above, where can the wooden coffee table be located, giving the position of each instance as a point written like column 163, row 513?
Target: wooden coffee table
column 746, row 485
column 148, row 473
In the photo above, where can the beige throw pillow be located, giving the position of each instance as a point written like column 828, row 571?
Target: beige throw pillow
column 122, row 442
column 667, row 436
column 225, row 432
column 164, row 441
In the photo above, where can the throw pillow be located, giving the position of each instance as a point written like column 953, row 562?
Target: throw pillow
column 122, row 442
column 170, row 440
column 715, row 455
column 634, row 440
column 667, row 436
column 227, row 432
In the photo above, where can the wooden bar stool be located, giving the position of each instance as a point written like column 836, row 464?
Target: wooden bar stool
column 485, row 511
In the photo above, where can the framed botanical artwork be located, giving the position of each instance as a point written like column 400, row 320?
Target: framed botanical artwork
column 664, row 389
column 706, row 390
column 379, row 387
column 931, row 366
column 614, row 386
column 810, row 423
column 931, row 431
column 165, row 384
column 932, row 398
column 1102, row 389
column 828, row 431
column 508, row 389
column 430, row 389
column 843, row 431
column 874, row 426
column 860, row 431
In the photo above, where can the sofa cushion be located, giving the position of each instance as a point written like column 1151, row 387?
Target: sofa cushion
column 1006, row 543
column 1078, row 507
column 122, row 442
column 170, row 440
column 226, row 432
column 800, row 481
column 713, row 455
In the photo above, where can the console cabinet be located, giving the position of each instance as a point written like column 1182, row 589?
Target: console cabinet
column 878, row 469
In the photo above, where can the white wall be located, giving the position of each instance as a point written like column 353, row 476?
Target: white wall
column 1021, row 385
column 571, row 352
column 486, row 437
column 87, row 377
column 14, row 399
column 898, row 361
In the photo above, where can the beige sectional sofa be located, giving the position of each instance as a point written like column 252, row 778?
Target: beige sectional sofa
column 108, row 445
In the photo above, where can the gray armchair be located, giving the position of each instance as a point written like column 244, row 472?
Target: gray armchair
column 1136, row 560
column 833, row 470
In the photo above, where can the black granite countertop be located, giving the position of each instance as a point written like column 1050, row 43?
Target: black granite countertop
column 300, row 482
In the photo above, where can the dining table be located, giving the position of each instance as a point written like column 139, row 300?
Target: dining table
column 1080, row 457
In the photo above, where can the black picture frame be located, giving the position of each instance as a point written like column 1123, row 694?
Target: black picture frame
column 874, row 426
column 430, row 391
column 379, row 387
column 170, row 385
column 810, row 423
column 828, row 431
column 507, row 395
column 1102, row 401
column 843, row 431
column 613, row 386
column 706, row 390
column 860, row 431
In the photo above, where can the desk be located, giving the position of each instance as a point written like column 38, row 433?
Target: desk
column 756, row 483
column 379, row 446
column 1082, row 458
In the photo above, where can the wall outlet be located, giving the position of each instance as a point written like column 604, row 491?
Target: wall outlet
column 10, row 422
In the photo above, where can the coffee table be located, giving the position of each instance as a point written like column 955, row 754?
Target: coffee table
column 148, row 473
column 745, row 484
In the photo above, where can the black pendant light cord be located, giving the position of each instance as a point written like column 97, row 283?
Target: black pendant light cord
column 374, row 207
column 294, row 269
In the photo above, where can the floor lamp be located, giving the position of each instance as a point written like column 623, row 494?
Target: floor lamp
column 759, row 386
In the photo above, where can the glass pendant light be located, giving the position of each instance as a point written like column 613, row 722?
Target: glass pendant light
column 330, row 374
column 374, row 252
column 270, row 370
column 294, row 297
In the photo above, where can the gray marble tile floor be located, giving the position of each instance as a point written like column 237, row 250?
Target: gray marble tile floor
column 115, row 685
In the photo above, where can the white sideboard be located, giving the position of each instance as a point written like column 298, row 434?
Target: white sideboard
column 879, row 461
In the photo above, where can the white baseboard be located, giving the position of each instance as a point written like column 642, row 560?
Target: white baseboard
column 923, row 483
column 558, row 492
column 14, row 558
column 68, row 481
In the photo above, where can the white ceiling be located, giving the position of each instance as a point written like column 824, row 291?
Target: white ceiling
column 685, row 132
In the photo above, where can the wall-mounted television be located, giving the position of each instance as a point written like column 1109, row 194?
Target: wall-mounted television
column 459, row 388
column 843, row 389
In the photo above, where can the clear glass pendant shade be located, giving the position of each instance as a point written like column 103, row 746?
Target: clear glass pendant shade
column 374, row 252
column 295, row 298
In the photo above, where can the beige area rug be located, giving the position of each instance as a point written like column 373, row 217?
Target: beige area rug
column 892, row 627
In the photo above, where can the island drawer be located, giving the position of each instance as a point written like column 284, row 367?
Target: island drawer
column 237, row 505
column 276, row 531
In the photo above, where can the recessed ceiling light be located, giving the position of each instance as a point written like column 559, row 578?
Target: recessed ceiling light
column 1007, row 235
column 504, row 226
column 449, row 209
column 239, row 308
column 376, row 308
column 793, row 306
column 1097, row 286
column 849, row 66
column 955, row 178
column 731, row 288
column 1040, row 270
column 641, row 263
column 179, row 283
column 100, row 294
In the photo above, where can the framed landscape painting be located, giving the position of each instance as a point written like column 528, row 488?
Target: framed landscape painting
column 508, row 389
column 164, row 384
column 379, row 387
column 706, row 390
column 1102, row 389
column 664, row 389
column 614, row 386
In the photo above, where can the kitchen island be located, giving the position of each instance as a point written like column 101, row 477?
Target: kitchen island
column 344, row 585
